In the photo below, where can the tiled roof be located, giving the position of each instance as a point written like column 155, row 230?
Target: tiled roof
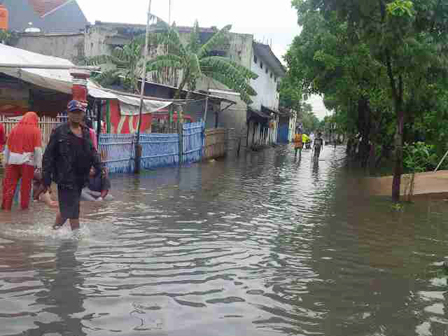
column 43, row 7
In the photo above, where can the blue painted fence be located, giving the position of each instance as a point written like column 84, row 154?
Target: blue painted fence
column 158, row 150
column 193, row 136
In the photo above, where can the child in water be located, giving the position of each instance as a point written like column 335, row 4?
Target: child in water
column 38, row 191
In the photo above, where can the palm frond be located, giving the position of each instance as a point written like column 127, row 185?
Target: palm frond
column 99, row 60
column 233, row 83
column 171, row 38
column 219, row 61
column 164, row 61
column 106, row 78
column 220, row 38
column 195, row 66
column 194, row 43
column 222, row 66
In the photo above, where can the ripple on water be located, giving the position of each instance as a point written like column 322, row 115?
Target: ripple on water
column 258, row 246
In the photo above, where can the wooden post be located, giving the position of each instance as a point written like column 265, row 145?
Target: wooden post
column 98, row 120
column 180, row 131
column 108, row 123
column 206, row 111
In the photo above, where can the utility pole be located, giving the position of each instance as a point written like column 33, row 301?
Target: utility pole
column 169, row 13
column 138, row 148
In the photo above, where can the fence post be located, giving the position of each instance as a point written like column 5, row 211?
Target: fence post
column 180, row 131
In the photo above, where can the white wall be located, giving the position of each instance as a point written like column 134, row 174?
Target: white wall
column 265, row 86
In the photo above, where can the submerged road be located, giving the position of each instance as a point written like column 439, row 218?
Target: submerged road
column 262, row 245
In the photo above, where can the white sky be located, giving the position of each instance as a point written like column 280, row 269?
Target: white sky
column 266, row 20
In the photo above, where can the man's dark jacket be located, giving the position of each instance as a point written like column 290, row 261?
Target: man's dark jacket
column 61, row 163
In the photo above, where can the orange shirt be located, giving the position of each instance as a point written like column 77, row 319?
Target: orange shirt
column 298, row 142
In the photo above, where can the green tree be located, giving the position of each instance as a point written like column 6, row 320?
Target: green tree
column 126, row 62
column 195, row 60
column 401, row 42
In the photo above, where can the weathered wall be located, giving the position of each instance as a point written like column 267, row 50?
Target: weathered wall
column 68, row 46
column 265, row 85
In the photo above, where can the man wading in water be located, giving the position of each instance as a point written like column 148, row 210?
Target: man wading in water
column 318, row 144
column 67, row 161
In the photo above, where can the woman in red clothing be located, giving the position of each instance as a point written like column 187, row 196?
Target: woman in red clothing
column 2, row 137
column 23, row 154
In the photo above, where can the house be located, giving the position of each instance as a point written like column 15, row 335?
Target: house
column 46, row 16
column 263, row 114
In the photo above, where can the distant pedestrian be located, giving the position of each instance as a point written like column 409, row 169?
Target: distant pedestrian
column 298, row 143
column 318, row 145
column 23, row 154
column 68, row 159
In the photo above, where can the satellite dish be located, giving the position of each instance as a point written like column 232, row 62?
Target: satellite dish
column 32, row 29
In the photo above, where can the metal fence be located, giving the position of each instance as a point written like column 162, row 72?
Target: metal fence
column 117, row 152
column 158, row 150
column 193, row 140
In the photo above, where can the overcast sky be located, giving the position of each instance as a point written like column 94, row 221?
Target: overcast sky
column 276, row 22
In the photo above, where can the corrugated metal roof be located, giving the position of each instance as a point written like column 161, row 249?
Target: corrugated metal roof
column 43, row 7
column 50, row 16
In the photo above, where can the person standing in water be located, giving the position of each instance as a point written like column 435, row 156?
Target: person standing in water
column 318, row 145
column 68, row 158
column 23, row 154
column 298, row 143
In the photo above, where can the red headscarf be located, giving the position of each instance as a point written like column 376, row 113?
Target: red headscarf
column 26, row 135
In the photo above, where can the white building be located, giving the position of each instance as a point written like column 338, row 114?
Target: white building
column 263, row 114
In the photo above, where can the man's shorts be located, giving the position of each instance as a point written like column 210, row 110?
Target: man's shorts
column 69, row 202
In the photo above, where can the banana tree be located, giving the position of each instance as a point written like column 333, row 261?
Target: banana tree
column 195, row 61
column 126, row 62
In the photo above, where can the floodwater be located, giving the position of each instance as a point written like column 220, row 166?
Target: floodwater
column 262, row 245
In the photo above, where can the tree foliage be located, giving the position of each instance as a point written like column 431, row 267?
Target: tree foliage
column 126, row 65
column 381, row 66
column 195, row 60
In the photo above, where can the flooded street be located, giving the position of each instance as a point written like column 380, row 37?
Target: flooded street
column 262, row 245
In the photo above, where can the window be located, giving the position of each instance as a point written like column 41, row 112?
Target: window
column 275, row 79
column 272, row 75
column 255, row 59
column 267, row 70
column 261, row 65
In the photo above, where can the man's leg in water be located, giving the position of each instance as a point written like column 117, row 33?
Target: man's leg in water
column 69, row 205
column 59, row 221
column 74, row 223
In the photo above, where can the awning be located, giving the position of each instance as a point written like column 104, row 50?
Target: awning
column 258, row 114
column 57, row 80
column 61, row 80
column 130, row 106
column 268, row 110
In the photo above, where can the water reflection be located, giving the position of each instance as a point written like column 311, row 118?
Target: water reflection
column 62, row 296
column 261, row 245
